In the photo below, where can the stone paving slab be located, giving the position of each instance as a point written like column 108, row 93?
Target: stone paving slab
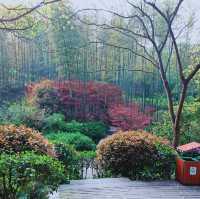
column 122, row 188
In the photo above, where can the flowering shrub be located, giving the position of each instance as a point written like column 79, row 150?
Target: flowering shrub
column 128, row 117
column 19, row 139
column 138, row 155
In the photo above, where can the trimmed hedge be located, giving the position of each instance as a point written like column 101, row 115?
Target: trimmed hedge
column 56, row 123
column 137, row 155
column 94, row 130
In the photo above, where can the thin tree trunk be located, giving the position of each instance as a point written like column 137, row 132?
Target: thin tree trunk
column 167, row 88
column 176, row 137
column 176, row 125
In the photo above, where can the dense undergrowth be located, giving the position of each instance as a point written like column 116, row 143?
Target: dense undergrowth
column 46, row 138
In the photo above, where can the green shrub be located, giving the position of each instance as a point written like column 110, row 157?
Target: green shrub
column 190, row 128
column 162, row 128
column 22, row 114
column 137, row 155
column 54, row 123
column 28, row 175
column 94, row 130
column 87, row 155
column 70, row 159
column 78, row 140
column 164, row 166
column 20, row 138
column 73, row 126
column 74, row 161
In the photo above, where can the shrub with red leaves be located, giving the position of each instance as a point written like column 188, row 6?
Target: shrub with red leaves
column 91, row 101
column 75, row 99
column 128, row 117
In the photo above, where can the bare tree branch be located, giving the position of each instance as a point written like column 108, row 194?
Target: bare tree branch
column 169, row 20
column 128, row 49
column 140, row 9
column 6, row 22
column 193, row 73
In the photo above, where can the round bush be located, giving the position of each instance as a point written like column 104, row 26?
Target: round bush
column 78, row 140
column 20, row 138
column 138, row 155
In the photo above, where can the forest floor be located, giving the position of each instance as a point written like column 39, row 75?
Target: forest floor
column 122, row 188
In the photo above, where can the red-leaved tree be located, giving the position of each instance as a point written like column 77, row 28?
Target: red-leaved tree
column 91, row 101
column 75, row 99
column 128, row 117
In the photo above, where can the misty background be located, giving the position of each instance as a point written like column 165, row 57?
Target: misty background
column 189, row 8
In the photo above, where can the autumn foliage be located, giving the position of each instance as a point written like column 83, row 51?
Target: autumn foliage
column 75, row 99
column 19, row 139
column 128, row 117
column 91, row 101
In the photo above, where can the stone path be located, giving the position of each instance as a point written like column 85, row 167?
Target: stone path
column 121, row 188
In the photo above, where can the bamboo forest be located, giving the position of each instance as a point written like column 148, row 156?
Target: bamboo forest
column 99, row 96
